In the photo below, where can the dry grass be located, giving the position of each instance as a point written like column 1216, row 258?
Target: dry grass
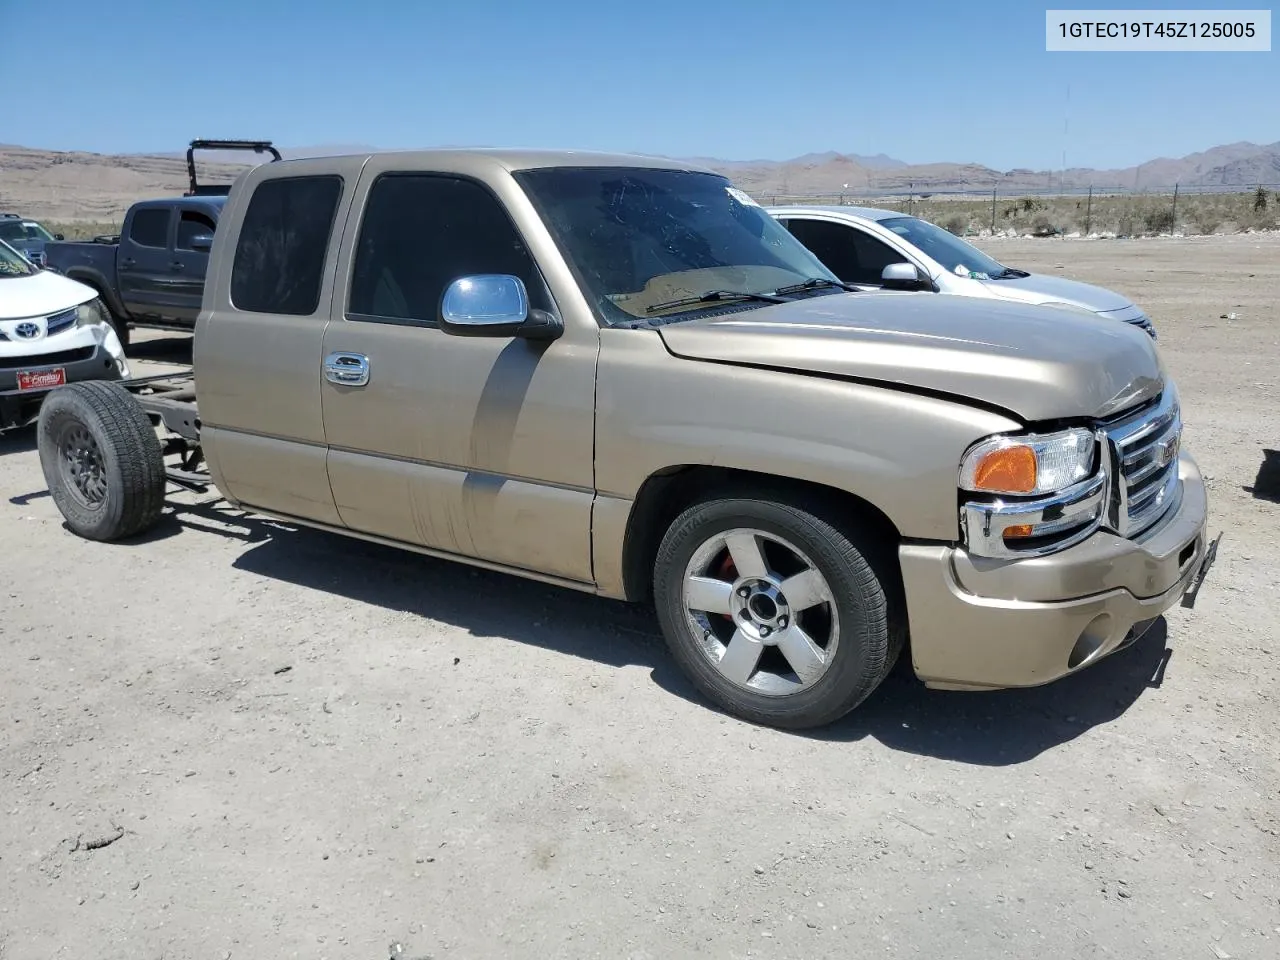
column 83, row 229
column 1131, row 215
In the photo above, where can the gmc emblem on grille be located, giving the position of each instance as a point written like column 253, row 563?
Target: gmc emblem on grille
column 1168, row 451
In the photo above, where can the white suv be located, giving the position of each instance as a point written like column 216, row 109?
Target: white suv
column 53, row 330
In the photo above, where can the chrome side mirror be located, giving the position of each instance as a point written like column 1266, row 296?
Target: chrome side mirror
column 494, row 305
column 905, row 276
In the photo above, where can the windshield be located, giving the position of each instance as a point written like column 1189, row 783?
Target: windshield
column 639, row 239
column 22, row 231
column 954, row 254
column 36, row 232
column 14, row 264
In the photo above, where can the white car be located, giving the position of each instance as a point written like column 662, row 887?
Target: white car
column 875, row 248
column 53, row 330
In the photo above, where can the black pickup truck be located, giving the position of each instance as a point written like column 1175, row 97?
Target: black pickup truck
column 152, row 273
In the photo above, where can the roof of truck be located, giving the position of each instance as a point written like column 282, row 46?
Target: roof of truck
column 515, row 158
column 215, row 202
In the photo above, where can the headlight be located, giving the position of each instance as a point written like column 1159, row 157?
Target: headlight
column 1029, row 465
column 1057, row 494
column 88, row 314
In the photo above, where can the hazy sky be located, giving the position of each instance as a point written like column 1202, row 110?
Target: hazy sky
column 920, row 81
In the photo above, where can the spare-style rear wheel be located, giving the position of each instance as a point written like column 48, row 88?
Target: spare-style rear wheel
column 101, row 459
column 775, row 614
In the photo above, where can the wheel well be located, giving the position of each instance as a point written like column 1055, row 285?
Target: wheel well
column 101, row 288
column 665, row 495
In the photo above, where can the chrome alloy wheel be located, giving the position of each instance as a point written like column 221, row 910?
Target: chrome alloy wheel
column 764, row 612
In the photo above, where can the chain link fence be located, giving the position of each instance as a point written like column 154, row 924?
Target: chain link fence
column 1084, row 211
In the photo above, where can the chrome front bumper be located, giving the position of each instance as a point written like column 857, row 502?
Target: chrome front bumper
column 981, row 623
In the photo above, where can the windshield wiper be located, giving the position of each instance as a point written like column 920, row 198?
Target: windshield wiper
column 1011, row 273
column 815, row 283
column 712, row 296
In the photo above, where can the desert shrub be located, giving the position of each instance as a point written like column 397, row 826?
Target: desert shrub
column 1042, row 226
column 1258, row 220
column 1259, row 200
column 1158, row 220
column 1208, row 222
column 957, row 224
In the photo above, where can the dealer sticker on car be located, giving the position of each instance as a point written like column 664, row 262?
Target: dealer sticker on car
column 41, row 379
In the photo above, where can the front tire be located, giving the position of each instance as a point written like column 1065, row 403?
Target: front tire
column 776, row 615
column 101, row 459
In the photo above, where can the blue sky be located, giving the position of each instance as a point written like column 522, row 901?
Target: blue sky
column 920, row 81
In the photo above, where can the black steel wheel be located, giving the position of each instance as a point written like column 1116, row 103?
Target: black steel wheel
column 101, row 459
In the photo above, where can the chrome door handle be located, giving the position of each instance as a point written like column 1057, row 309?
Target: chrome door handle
column 347, row 369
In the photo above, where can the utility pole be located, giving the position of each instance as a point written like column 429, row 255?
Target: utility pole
column 1173, row 225
column 993, row 209
column 1088, row 211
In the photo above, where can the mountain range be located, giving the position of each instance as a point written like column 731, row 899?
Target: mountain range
column 65, row 186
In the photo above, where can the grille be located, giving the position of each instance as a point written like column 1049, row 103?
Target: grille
column 61, row 321
column 46, row 359
column 1144, row 455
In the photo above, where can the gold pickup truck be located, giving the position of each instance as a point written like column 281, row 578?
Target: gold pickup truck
column 620, row 375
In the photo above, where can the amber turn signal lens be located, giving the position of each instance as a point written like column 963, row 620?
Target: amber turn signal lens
column 1011, row 469
column 1018, row 531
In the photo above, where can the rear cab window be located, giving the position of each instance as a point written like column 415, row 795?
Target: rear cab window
column 280, row 255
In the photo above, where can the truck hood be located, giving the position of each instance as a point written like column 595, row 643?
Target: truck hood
column 1039, row 363
column 1043, row 288
column 40, row 295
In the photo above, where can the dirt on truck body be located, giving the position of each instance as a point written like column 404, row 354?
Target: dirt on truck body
column 620, row 375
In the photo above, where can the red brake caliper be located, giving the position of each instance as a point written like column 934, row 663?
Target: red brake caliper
column 728, row 572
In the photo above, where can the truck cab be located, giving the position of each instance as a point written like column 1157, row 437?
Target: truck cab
column 162, row 258
column 153, row 272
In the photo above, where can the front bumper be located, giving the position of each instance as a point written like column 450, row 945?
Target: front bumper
column 977, row 623
column 96, row 362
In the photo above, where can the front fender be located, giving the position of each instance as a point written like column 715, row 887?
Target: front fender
column 897, row 450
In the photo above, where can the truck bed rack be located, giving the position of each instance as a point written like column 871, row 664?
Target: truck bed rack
column 197, row 189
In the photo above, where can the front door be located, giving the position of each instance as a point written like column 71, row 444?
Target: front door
column 853, row 255
column 190, row 261
column 479, row 447
column 142, row 263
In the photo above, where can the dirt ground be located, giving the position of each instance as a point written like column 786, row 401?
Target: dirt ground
column 303, row 746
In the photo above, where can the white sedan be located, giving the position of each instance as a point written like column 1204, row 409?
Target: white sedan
column 874, row 248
